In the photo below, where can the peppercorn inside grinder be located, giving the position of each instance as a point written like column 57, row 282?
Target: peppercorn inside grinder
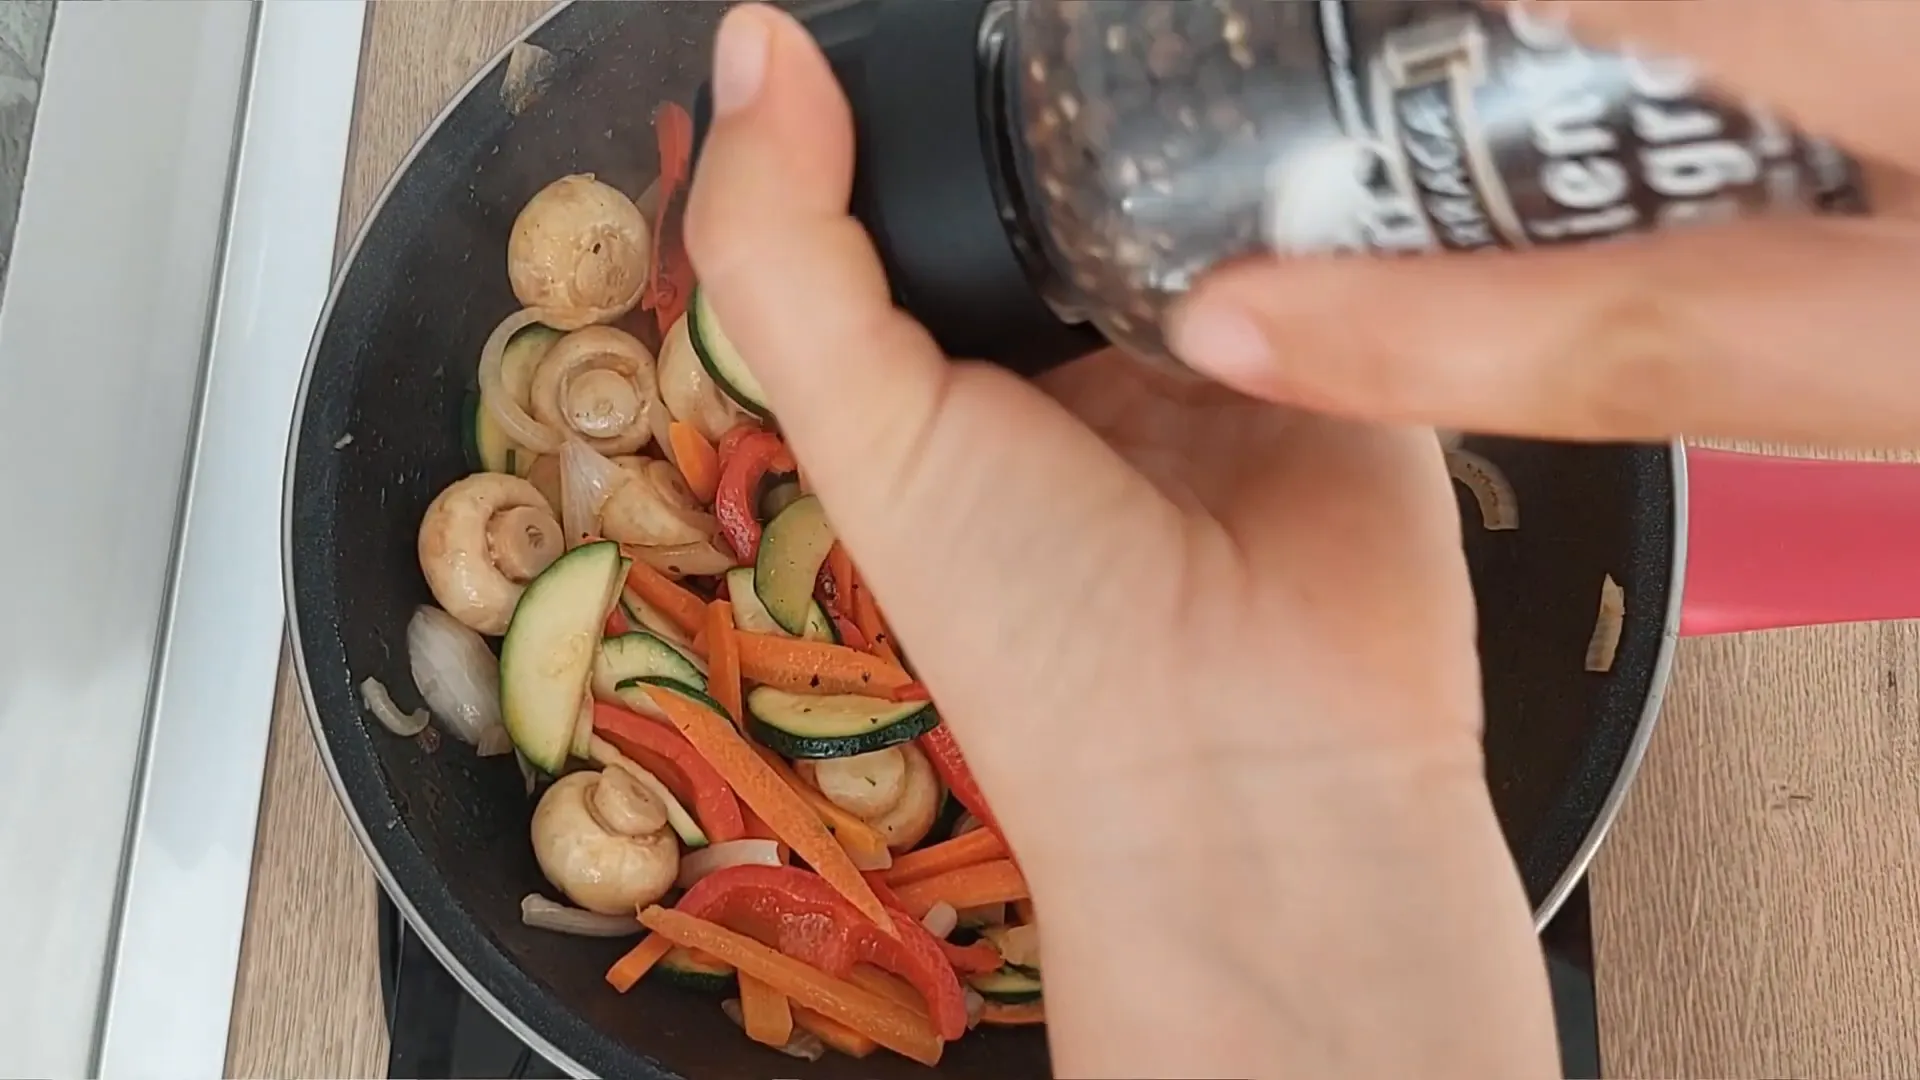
column 1041, row 177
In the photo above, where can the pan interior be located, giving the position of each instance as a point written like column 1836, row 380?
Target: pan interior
column 381, row 433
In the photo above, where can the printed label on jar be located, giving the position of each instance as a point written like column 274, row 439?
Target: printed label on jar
column 1464, row 128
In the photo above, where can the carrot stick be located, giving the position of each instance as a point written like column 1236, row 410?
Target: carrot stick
column 861, row 841
column 977, row 846
column 840, row 568
column 887, row 985
column 723, row 660
column 699, row 461
column 816, row 667
column 765, row 1013
column 685, row 609
column 888, row 1023
column 969, row 886
column 1033, row 1012
column 835, row 1034
column 639, row 960
column 777, row 803
column 866, row 616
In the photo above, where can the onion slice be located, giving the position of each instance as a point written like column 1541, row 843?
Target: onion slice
column 717, row 857
column 1607, row 627
column 380, row 703
column 976, row 1008
column 802, row 1044
column 543, row 914
column 940, row 920
column 1499, row 506
column 494, row 742
column 455, row 673
column 587, row 480
column 498, row 399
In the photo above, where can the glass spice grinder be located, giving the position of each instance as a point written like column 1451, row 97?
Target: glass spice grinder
column 1045, row 176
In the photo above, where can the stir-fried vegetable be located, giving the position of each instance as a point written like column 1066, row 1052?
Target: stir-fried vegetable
column 694, row 679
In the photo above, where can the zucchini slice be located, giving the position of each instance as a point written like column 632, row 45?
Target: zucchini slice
column 1008, row 986
column 681, row 968
column 608, row 756
column 833, row 725
column 636, row 656
column 698, row 696
column 721, row 359
column 547, row 656
column 792, row 550
column 751, row 615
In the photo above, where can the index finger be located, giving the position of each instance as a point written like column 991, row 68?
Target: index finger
column 1835, row 70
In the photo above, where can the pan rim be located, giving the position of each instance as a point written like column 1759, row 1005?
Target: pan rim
column 389, row 882
column 1610, row 807
column 1556, row 897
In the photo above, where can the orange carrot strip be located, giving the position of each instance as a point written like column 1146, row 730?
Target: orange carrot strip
column 816, row 667
column 866, row 616
column 840, row 567
column 887, row 985
column 969, row 886
column 639, row 960
column 699, row 461
column 764, row 1012
column 777, row 803
column 685, row 609
column 861, row 841
column 723, row 660
column 835, row 1034
column 888, row 1023
column 1033, row 1012
column 977, row 846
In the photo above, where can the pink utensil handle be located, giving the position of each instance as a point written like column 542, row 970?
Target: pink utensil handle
column 1775, row 542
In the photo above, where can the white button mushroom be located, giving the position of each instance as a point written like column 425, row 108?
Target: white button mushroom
column 894, row 790
column 597, row 384
column 654, row 508
column 602, row 839
column 689, row 392
column 579, row 252
column 481, row 541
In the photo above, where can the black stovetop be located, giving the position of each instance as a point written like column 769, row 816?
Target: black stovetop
column 438, row 1031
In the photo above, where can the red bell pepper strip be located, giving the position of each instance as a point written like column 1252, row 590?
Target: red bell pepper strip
column 943, row 752
column 670, row 275
column 731, row 440
column 667, row 754
column 741, row 471
column 978, row 958
column 797, row 912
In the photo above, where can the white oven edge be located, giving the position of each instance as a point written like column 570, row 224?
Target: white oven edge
column 168, row 994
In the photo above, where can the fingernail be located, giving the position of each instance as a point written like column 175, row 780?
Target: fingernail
column 740, row 61
column 1221, row 342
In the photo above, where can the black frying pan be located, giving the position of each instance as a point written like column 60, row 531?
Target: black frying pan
column 393, row 367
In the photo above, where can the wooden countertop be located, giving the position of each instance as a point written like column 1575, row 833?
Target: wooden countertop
column 1756, row 912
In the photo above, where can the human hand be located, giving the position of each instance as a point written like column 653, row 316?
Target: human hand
column 1213, row 662
column 1786, row 330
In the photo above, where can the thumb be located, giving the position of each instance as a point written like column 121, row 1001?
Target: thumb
column 962, row 490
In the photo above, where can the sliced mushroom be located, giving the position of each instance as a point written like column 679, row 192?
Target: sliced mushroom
column 602, row 839
column 655, row 508
column 894, row 790
column 689, row 392
column 579, row 252
column 481, row 541
column 864, row 785
column 598, row 384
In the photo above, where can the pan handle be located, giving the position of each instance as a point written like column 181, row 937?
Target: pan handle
column 1775, row 542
